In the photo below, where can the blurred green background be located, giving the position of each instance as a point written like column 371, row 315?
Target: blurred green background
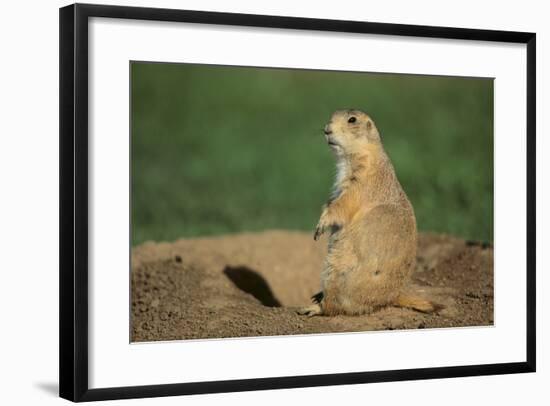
column 227, row 149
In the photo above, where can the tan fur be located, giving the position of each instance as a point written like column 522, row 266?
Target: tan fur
column 415, row 303
column 372, row 245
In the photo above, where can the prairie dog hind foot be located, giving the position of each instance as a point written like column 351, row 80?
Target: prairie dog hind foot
column 315, row 308
column 310, row 311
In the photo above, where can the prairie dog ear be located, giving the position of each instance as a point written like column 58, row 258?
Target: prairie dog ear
column 369, row 126
column 372, row 131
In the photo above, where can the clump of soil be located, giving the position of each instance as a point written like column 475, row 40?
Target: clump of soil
column 251, row 284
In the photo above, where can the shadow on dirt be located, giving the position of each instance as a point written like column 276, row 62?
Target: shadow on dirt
column 252, row 282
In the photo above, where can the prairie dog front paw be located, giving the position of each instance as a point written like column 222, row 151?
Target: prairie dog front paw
column 322, row 225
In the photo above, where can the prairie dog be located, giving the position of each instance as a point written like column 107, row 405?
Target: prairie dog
column 373, row 237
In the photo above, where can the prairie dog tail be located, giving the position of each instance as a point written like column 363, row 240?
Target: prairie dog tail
column 417, row 303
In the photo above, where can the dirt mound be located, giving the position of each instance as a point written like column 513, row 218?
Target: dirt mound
column 250, row 285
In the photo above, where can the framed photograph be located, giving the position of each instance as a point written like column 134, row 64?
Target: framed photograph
column 257, row 202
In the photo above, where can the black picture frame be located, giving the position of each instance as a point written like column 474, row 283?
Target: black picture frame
column 73, row 276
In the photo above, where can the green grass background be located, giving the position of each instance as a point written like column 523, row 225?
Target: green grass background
column 227, row 149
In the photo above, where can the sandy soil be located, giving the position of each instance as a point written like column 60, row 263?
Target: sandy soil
column 250, row 285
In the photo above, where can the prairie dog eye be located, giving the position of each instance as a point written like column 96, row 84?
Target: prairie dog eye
column 352, row 120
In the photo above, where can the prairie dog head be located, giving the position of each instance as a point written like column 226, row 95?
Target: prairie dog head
column 350, row 131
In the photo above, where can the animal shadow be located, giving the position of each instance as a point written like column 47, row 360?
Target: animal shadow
column 252, row 282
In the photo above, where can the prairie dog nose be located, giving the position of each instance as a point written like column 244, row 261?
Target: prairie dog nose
column 328, row 130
